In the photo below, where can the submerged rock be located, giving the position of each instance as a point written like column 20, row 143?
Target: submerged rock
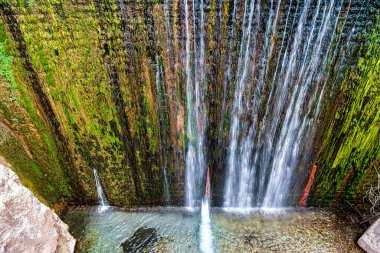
column 26, row 224
column 141, row 240
column 370, row 240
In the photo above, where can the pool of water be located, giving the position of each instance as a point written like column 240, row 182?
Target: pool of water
column 178, row 230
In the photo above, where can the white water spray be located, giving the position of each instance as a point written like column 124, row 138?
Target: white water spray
column 205, row 233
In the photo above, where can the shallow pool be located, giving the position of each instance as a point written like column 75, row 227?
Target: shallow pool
column 178, row 230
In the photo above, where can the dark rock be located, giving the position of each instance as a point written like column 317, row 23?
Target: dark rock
column 141, row 240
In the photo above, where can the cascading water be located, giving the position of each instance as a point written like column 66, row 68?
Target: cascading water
column 196, row 124
column 267, row 130
column 196, row 114
column 104, row 206
column 238, row 110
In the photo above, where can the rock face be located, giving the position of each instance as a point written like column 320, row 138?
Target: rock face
column 370, row 240
column 26, row 224
column 102, row 84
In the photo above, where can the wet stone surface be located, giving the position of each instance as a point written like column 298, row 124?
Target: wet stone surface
column 175, row 230
column 142, row 240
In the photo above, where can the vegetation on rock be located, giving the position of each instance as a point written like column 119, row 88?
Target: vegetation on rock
column 100, row 84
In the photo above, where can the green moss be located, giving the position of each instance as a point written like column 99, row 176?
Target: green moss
column 6, row 60
column 70, row 46
column 29, row 146
column 353, row 138
column 38, row 180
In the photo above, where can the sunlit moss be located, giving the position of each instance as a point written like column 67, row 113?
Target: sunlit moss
column 353, row 140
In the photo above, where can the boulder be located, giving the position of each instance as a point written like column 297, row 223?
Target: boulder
column 370, row 240
column 141, row 241
column 26, row 224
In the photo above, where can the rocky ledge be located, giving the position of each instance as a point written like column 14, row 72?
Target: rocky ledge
column 26, row 224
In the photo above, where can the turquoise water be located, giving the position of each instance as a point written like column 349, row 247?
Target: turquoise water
column 177, row 230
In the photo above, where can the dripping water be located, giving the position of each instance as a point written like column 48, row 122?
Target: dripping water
column 293, row 129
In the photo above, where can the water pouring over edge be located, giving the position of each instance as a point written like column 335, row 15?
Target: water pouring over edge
column 104, row 206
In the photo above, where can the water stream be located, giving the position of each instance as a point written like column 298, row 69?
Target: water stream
column 196, row 124
column 195, row 108
column 104, row 206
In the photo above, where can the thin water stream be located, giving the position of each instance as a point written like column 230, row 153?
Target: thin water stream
column 104, row 206
column 195, row 107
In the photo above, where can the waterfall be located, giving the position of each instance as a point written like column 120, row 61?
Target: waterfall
column 234, row 159
column 102, row 198
column 196, row 114
column 196, row 123
column 267, row 131
column 163, row 114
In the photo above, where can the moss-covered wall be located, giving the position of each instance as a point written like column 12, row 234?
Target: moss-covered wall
column 101, row 95
column 100, row 84
column 26, row 137
column 350, row 142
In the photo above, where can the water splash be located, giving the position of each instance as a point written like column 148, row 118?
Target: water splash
column 205, row 233
column 104, row 206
